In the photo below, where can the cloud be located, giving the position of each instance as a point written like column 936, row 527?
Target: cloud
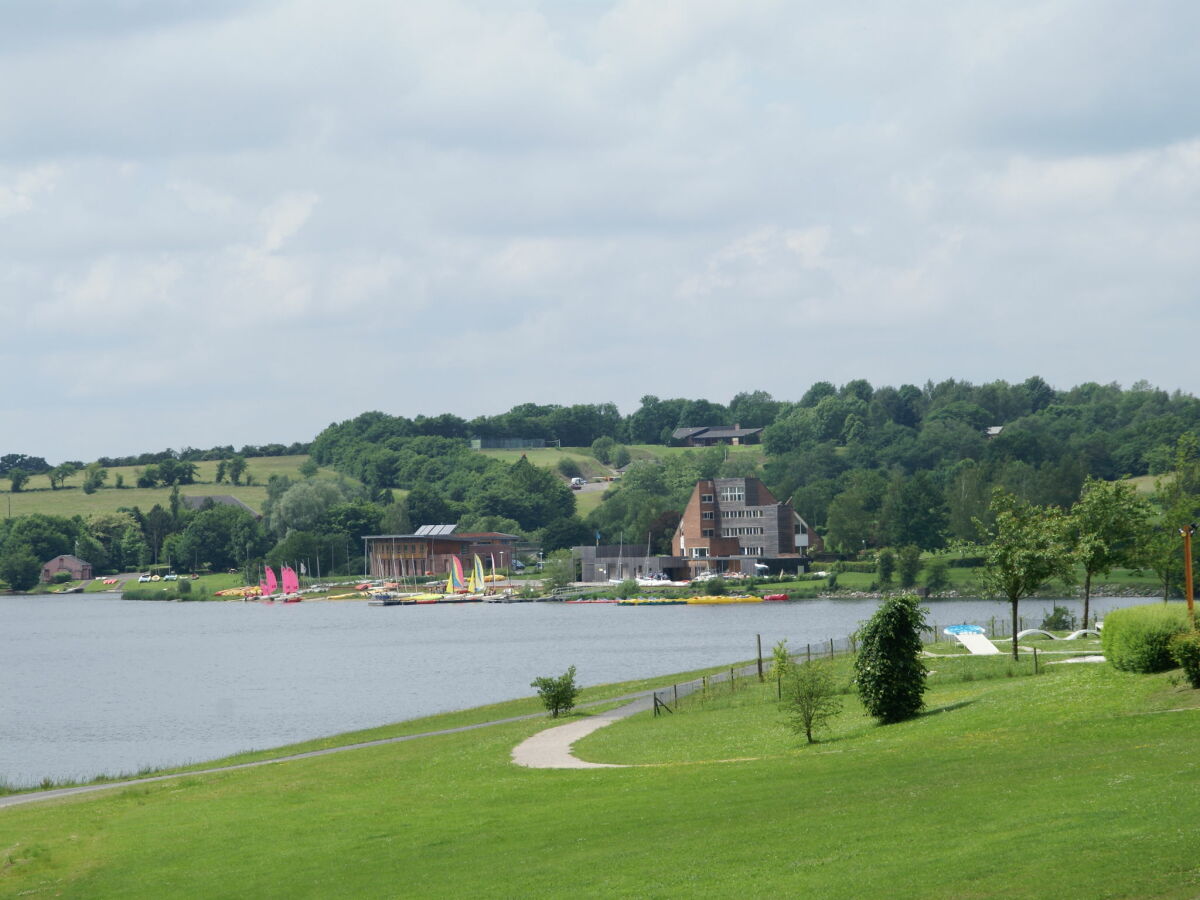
column 208, row 210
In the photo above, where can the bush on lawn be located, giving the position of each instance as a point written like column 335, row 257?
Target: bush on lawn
column 1137, row 638
column 1185, row 650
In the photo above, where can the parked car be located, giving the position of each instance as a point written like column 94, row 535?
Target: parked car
column 517, row 566
column 171, row 577
column 144, row 578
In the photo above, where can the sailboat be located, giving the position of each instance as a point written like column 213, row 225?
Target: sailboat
column 269, row 586
column 454, row 578
column 477, row 584
column 291, row 585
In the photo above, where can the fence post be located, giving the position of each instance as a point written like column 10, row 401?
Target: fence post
column 831, row 648
column 675, row 687
column 779, row 687
column 732, row 686
column 760, row 674
column 808, row 651
column 1035, row 669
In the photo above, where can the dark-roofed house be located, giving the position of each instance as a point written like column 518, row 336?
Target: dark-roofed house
column 80, row 570
column 716, row 434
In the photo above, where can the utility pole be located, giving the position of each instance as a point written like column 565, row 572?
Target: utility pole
column 1187, row 531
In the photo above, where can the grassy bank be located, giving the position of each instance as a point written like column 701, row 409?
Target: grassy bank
column 1077, row 782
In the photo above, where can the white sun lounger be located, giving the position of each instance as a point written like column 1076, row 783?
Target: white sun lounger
column 973, row 638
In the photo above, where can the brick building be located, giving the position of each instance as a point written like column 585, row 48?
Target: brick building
column 79, row 569
column 730, row 525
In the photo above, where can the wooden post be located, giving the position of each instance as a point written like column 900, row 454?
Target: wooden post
column 760, row 674
column 808, row 651
column 675, row 687
column 831, row 648
column 779, row 687
column 1035, row 671
column 732, row 686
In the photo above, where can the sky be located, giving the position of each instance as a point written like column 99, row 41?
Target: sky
column 235, row 222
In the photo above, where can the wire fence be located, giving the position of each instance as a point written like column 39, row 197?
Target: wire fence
column 665, row 699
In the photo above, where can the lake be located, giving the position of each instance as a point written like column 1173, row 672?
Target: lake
column 92, row 684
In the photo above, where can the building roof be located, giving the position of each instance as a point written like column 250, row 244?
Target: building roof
column 67, row 557
column 722, row 431
column 713, row 431
column 489, row 534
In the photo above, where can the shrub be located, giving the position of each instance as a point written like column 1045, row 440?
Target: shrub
column 810, row 698
column 1061, row 619
column 558, row 694
column 148, row 594
column 627, row 588
column 887, row 566
column 568, row 468
column 936, row 575
column 781, row 661
column 183, row 588
column 1136, row 639
column 831, row 584
column 967, row 562
column 908, row 565
column 62, row 577
column 1185, row 650
column 888, row 668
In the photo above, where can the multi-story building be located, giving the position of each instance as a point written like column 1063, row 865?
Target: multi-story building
column 730, row 525
column 737, row 525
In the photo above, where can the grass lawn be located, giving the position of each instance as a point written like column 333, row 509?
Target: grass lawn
column 37, row 497
column 549, row 457
column 1079, row 782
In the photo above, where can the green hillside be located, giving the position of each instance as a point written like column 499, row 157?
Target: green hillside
column 1078, row 782
column 70, row 500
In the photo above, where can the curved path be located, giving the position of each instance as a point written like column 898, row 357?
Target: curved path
column 551, row 749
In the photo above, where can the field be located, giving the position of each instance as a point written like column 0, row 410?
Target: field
column 1080, row 781
column 37, row 497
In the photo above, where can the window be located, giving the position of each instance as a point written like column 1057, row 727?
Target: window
column 751, row 551
column 706, row 498
column 734, row 494
column 738, row 531
column 699, row 552
column 707, row 532
column 707, row 514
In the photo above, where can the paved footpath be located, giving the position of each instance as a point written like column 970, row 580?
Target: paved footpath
column 551, row 749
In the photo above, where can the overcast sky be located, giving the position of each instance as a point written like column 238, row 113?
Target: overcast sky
column 231, row 222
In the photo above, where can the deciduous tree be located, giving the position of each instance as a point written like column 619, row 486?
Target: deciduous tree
column 1104, row 525
column 1027, row 546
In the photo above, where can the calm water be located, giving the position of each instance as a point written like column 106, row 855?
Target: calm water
column 96, row 685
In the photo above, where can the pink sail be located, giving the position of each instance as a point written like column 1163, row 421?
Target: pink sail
column 291, row 584
column 271, row 585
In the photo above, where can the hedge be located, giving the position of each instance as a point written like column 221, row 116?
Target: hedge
column 1137, row 638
